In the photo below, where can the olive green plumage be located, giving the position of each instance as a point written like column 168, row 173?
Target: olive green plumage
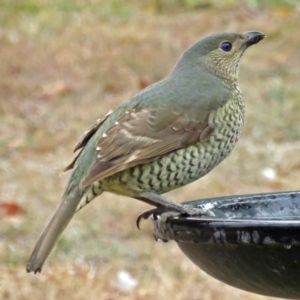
column 168, row 135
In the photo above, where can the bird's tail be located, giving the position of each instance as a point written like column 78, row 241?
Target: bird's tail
column 70, row 203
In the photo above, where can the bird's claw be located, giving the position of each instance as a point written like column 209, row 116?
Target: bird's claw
column 187, row 210
column 146, row 214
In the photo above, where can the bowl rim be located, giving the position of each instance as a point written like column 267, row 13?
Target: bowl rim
column 234, row 222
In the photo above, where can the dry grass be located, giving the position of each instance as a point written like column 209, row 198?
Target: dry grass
column 62, row 67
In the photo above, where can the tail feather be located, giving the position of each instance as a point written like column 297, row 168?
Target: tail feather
column 58, row 222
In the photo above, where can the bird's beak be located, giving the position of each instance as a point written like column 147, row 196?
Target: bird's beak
column 253, row 37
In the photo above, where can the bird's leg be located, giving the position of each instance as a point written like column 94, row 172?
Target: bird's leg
column 168, row 207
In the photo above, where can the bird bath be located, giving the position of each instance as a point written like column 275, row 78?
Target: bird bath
column 252, row 242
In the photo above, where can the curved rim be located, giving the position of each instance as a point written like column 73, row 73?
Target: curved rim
column 272, row 227
column 234, row 231
column 234, row 223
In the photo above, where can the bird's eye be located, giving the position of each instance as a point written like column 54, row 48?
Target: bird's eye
column 226, row 46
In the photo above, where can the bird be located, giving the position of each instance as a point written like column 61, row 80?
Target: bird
column 170, row 134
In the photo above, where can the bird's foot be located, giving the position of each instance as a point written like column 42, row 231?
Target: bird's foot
column 167, row 208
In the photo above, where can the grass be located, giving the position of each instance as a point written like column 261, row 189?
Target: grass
column 65, row 65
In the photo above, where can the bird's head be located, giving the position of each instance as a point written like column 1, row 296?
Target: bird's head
column 221, row 53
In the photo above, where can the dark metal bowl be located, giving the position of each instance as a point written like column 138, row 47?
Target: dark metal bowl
column 252, row 242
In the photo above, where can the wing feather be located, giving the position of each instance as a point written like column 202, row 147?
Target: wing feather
column 84, row 140
column 143, row 135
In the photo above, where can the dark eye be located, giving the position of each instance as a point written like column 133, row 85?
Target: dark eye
column 226, row 46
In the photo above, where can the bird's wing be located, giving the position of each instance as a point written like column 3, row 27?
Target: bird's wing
column 142, row 135
column 84, row 140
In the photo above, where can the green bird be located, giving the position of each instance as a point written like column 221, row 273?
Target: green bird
column 170, row 134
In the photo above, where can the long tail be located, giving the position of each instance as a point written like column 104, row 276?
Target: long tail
column 54, row 228
column 71, row 202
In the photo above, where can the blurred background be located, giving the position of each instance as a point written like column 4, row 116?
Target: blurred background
column 64, row 64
